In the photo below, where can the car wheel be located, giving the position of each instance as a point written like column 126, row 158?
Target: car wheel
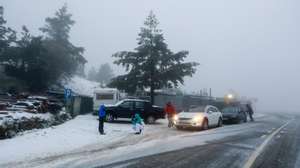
column 150, row 120
column 109, row 118
column 245, row 118
column 205, row 125
column 238, row 120
column 179, row 127
column 220, row 122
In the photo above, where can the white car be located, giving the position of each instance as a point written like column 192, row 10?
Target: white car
column 201, row 117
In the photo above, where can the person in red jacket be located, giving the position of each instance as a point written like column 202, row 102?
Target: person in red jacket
column 170, row 111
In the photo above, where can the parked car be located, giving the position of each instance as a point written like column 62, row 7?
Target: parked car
column 23, row 105
column 128, row 107
column 200, row 117
column 38, row 98
column 234, row 114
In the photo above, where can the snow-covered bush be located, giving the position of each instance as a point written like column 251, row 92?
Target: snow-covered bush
column 13, row 122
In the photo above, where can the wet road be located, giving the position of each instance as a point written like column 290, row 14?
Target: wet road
column 274, row 142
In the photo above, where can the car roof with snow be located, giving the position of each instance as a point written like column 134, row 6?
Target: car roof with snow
column 25, row 102
column 38, row 97
column 105, row 90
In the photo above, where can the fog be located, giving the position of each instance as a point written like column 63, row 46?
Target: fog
column 251, row 47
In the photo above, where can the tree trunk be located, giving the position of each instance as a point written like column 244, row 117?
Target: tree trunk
column 152, row 81
column 152, row 94
column 152, row 74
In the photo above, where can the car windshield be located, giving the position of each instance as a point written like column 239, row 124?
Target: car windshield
column 118, row 103
column 196, row 109
column 229, row 110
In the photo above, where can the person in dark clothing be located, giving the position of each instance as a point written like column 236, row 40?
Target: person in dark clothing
column 101, row 115
column 250, row 111
column 171, row 112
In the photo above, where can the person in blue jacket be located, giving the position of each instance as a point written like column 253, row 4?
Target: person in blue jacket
column 101, row 115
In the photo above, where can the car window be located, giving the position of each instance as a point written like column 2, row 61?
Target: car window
column 230, row 110
column 104, row 96
column 139, row 104
column 216, row 110
column 210, row 109
column 213, row 109
column 127, row 104
column 196, row 109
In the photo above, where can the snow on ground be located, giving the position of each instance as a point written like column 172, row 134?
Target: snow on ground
column 82, row 86
column 79, row 138
column 79, row 132
column 93, row 156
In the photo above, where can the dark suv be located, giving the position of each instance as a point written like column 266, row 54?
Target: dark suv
column 128, row 107
column 234, row 114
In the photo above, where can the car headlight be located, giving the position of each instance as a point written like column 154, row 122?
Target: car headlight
column 175, row 118
column 197, row 119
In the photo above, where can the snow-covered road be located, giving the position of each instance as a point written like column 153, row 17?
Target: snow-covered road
column 78, row 142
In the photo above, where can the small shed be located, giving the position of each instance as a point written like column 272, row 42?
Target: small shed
column 79, row 104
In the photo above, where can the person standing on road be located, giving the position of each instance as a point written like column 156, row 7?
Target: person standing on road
column 170, row 111
column 250, row 111
column 101, row 115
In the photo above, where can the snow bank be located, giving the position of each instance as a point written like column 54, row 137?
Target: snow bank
column 16, row 115
column 13, row 122
column 81, row 86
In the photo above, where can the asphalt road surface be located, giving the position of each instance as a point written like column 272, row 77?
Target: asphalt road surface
column 273, row 143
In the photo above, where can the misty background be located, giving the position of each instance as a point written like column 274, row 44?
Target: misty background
column 251, row 47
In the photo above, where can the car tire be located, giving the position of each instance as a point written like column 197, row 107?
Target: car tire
column 205, row 124
column 220, row 122
column 150, row 120
column 109, row 118
column 245, row 118
column 179, row 127
column 238, row 120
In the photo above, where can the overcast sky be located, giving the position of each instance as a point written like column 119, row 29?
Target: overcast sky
column 249, row 46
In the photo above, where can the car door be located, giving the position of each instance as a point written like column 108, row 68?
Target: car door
column 140, row 108
column 210, row 116
column 218, row 114
column 214, row 115
column 125, row 109
column 240, row 112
